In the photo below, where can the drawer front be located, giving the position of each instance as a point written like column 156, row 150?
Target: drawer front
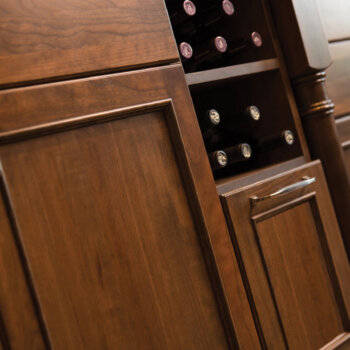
column 291, row 252
column 42, row 40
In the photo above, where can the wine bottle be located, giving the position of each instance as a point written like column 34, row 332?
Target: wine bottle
column 211, row 50
column 216, row 12
column 231, row 155
column 219, row 47
column 211, row 119
column 183, row 13
column 254, row 40
column 204, row 21
column 249, row 116
column 210, row 123
column 186, row 51
column 282, row 139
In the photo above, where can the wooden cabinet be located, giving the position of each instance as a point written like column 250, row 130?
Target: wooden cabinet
column 285, row 233
column 112, row 231
column 106, row 221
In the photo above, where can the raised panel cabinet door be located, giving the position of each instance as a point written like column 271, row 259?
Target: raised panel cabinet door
column 112, row 224
column 51, row 39
column 297, row 272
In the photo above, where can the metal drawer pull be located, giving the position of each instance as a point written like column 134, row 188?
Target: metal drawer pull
column 305, row 182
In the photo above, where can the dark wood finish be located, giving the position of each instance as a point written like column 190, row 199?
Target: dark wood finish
column 307, row 55
column 338, row 77
column 236, row 29
column 20, row 319
column 42, row 40
column 316, row 111
column 335, row 19
column 234, row 182
column 231, row 71
column 294, row 259
column 114, row 213
column 343, row 126
column 118, row 247
column 230, row 98
column 346, row 149
column 217, row 239
column 297, row 21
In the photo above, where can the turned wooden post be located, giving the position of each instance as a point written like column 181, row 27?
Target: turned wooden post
column 307, row 55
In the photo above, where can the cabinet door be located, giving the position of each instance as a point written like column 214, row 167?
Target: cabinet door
column 297, row 272
column 111, row 224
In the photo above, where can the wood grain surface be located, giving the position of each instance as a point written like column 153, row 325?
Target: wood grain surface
column 316, row 111
column 121, row 224
column 290, row 244
column 295, row 261
column 19, row 323
column 47, row 39
column 119, row 250
column 343, row 127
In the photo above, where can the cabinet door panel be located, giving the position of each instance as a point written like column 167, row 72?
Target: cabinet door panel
column 291, row 248
column 118, row 244
column 20, row 320
column 110, row 216
column 289, row 244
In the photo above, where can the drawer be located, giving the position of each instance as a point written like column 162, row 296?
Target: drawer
column 44, row 40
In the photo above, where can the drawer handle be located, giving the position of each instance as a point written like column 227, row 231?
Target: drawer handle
column 306, row 181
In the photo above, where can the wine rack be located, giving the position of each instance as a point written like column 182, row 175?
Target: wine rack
column 244, row 31
column 230, row 98
column 232, row 61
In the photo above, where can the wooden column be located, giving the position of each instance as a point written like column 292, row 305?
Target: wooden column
column 307, row 55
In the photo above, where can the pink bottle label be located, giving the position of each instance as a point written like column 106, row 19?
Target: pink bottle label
column 189, row 7
column 256, row 39
column 228, row 7
column 220, row 44
column 186, row 50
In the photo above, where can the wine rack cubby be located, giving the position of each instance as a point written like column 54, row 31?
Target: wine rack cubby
column 230, row 98
column 248, row 71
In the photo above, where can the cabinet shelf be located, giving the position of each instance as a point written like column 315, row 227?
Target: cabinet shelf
column 238, row 70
